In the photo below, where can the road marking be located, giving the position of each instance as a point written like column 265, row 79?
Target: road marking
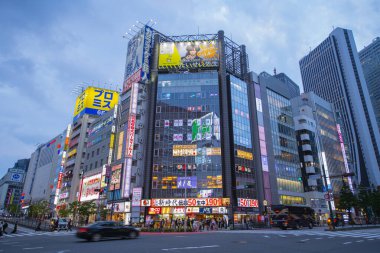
column 266, row 236
column 371, row 239
column 63, row 251
column 33, row 248
column 360, row 241
column 319, row 238
column 347, row 242
column 304, row 240
column 199, row 247
column 283, row 236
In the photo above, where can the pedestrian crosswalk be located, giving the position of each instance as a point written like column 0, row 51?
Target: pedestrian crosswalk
column 374, row 234
column 39, row 233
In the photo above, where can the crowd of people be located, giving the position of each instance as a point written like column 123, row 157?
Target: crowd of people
column 189, row 223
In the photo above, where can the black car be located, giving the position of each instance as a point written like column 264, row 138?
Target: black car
column 107, row 229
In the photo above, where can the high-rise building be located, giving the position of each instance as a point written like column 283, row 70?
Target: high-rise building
column 294, row 89
column 320, row 149
column 11, row 185
column 90, row 104
column 45, row 166
column 370, row 59
column 190, row 102
column 333, row 71
column 281, row 140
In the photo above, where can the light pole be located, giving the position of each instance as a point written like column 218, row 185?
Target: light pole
column 113, row 200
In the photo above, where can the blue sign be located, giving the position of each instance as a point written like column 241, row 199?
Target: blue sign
column 206, row 210
column 186, row 182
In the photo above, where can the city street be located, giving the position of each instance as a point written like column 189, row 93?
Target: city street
column 315, row 240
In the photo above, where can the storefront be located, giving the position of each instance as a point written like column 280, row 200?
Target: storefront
column 121, row 212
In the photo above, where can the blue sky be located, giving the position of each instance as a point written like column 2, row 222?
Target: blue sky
column 48, row 47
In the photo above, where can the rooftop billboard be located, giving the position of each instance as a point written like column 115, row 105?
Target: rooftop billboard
column 194, row 54
column 95, row 101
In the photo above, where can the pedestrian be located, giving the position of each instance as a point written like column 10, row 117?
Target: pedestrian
column 5, row 225
column 38, row 228
column 69, row 224
column 15, row 228
column 1, row 229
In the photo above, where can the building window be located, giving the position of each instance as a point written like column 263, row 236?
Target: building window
column 88, row 156
column 156, row 137
column 97, row 151
column 158, row 109
column 158, row 124
column 92, row 154
column 91, row 166
column 101, row 162
column 96, row 164
column 156, row 152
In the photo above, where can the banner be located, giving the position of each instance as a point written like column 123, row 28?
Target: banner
column 89, row 187
column 186, row 182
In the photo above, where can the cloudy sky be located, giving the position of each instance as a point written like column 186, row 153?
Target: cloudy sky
column 49, row 47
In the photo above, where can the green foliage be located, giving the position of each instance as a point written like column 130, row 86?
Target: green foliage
column 87, row 208
column 39, row 209
column 64, row 212
column 347, row 199
column 13, row 209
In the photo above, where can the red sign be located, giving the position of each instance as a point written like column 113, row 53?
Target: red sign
column 248, row 202
column 154, row 210
column 131, row 135
column 59, row 180
column 187, row 202
column 135, row 78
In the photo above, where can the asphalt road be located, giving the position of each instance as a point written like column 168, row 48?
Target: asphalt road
column 367, row 241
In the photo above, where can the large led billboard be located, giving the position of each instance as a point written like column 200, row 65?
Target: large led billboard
column 192, row 54
column 95, row 101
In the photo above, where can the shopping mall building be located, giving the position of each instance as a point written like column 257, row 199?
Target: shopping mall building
column 189, row 141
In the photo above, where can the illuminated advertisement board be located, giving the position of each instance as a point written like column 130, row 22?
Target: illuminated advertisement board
column 244, row 154
column 187, row 202
column 136, row 196
column 17, row 177
column 89, row 186
column 247, row 202
column 99, row 126
column 194, row 54
column 138, row 58
column 95, row 101
column 192, row 150
column 186, row 182
column 205, row 128
column 115, row 177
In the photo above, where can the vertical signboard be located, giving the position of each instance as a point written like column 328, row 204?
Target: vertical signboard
column 136, row 196
column 344, row 155
column 130, row 138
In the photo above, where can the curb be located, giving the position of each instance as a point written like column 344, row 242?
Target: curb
column 352, row 228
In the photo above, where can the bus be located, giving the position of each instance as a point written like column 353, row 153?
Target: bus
column 296, row 217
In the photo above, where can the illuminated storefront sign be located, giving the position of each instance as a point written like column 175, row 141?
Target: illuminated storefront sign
column 72, row 152
column 138, row 57
column 244, row 154
column 120, row 207
column 145, row 202
column 64, row 195
column 187, row 202
column 115, row 177
column 100, row 125
column 192, row 150
column 247, row 202
column 95, row 101
column 154, row 210
column 90, row 187
column 194, row 54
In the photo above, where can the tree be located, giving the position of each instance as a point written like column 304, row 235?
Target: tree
column 73, row 208
column 86, row 209
column 375, row 201
column 347, row 199
column 64, row 211
column 13, row 209
column 364, row 201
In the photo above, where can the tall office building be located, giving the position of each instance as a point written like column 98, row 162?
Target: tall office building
column 294, row 89
column 370, row 59
column 281, row 140
column 198, row 124
column 333, row 71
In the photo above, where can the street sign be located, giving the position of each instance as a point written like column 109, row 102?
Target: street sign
column 327, row 196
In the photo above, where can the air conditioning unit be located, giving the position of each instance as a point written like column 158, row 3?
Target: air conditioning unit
column 139, row 156
column 141, row 140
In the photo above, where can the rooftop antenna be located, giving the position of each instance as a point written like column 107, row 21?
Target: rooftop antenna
column 274, row 71
column 127, row 36
column 198, row 30
column 139, row 23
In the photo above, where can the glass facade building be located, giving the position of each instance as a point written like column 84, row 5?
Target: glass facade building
column 187, row 148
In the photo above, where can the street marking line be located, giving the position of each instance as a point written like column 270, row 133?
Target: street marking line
column 319, row 238
column 371, row 239
column 266, row 236
column 360, row 241
column 347, row 242
column 199, row 247
column 33, row 248
column 283, row 236
column 305, row 240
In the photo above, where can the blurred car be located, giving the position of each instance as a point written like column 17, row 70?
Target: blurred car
column 62, row 224
column 107, row 229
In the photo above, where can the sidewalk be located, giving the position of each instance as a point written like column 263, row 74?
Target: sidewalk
column 354, row 227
